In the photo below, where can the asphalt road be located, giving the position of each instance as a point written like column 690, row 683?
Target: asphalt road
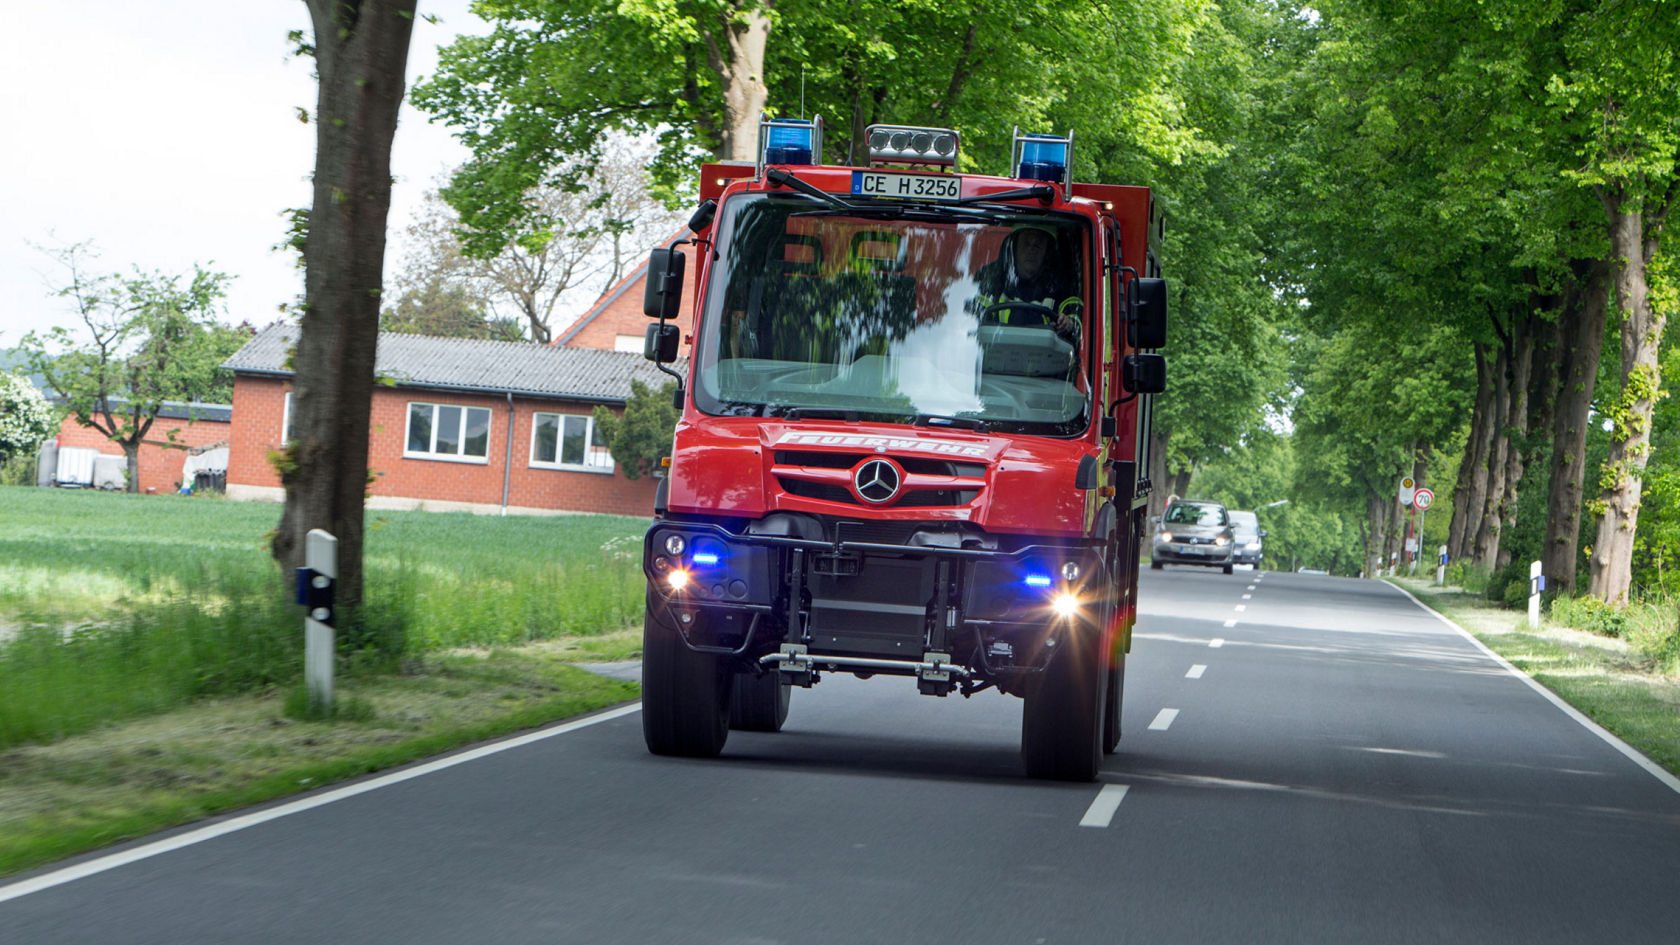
column 1307, row 759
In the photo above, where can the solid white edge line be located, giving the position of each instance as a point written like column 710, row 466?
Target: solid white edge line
column 1633, row 754
column 1196, row 671
column 1163, row 720
column 212, row 831
column 1101, row 811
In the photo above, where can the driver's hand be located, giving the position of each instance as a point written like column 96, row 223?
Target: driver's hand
column 1067, row 319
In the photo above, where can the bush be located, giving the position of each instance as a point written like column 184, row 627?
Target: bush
column 1590, row 614
column 1501, row 582
column 1463, row 574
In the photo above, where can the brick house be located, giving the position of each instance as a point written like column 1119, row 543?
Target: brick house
column 470, row 425
column 180, row 429
column 616, row 323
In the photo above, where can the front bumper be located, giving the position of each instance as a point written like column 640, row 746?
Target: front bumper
column 938, row 595
column 1210, row 555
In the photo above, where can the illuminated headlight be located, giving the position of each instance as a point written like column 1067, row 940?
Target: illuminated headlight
column 1070, row 570
column 1065, row 605
column 675, row 545
column 1221, row 541
column 1166, row 536
column 900, row 144
column 678, row 579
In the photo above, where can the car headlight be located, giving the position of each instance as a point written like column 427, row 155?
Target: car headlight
column 1164, row 536
column 1221, row 541
column 1253, row 546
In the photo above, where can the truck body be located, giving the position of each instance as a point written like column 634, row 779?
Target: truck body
column 909, row 447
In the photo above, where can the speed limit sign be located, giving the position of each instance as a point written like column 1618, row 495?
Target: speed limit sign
column 1423, row 499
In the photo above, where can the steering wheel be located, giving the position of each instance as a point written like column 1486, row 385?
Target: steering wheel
column 1045, row 310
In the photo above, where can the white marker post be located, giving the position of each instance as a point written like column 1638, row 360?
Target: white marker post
column 1536, row 584
column 317, row 581
column 1441, row 569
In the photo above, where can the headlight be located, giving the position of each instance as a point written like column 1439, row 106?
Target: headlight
column 1221, row 541
column 678, row 579
column 1164, row 536
column 1070, row 570
column 1065, row 605
column 1253, row 546
column 674, row 545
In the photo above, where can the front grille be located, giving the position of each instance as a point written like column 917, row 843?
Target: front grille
column 920, row 465
column 824, row 477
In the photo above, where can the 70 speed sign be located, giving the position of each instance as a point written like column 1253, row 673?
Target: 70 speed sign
column 1423, row 499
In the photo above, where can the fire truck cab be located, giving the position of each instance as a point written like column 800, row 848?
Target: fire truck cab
column 914, row 423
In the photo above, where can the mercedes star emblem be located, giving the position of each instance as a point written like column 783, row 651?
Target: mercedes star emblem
column 877, row 481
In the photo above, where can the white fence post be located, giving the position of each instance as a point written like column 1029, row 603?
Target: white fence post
column 317, row 581
column 1536, row 584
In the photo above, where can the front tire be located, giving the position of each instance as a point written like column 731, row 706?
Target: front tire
column 685, row 695
column 759, row 703
column 1062, row 730
column 1112, row 704
column 1230, row 568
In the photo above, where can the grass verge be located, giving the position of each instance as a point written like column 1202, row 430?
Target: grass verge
column 129, row 779
column 1608, row 681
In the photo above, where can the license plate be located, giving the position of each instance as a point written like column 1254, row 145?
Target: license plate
column 906, row 186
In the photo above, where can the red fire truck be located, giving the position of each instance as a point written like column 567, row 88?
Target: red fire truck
column 915, row 417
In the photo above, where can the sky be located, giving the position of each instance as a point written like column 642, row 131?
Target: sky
column 165, row 132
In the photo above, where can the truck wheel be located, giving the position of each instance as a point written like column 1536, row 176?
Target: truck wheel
column 1156, row 565
column 1062, row 722
column 1112, row 704
column 760, row 703
column 685, row 695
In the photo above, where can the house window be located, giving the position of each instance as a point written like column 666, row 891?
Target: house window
column 568, row 441
column 445, row 431
column 630, row 343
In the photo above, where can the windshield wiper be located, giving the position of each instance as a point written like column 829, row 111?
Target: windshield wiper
column 1043, row 193
column 819, row 413
column 939, row 420
column 779, row 176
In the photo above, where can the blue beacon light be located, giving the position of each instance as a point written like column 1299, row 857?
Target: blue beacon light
column 1038, row 580
column 1043, row 157
column 790, row 143
column 705, row 557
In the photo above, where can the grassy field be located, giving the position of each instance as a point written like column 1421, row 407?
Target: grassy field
column 1614, row 683
column 149, row 652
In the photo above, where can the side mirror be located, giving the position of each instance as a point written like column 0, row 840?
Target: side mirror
column 1261, row 533
column 1147, row 327
column 1144, row 373
column 703, row 215
column 660, row 343
column 663, row 295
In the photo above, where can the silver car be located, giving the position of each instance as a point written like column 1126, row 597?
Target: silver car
column 1247, row 538
column 1194, row 532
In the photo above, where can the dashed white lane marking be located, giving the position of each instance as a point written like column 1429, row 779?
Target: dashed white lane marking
column 1247, row 596
column 211, row 831
column 1163, row 720
column 1196, row 671
column 1251, row 587
column 1241, row 608
column 1102, row 809
column 1216, row 643
column 1230, row 623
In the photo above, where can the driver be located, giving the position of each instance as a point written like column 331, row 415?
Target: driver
column 1029, row 269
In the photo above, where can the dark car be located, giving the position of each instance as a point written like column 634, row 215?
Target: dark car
column 1194, row 532
column 1247, row 538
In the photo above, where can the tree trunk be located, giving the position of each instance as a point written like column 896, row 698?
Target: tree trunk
column 739, row 65
column 1485, row 546
column 1581, row 328
column 131, row 453
column 1468, row 492
column 1631, row 249
column 1523, row 332
column 361, row 53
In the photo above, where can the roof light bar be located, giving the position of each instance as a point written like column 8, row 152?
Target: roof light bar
column 908, row 144
column 789, row 141
column 1043, row 157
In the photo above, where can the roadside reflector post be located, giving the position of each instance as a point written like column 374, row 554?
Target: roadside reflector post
column 1441, row 569
column 1536, row 584
column 317, row 582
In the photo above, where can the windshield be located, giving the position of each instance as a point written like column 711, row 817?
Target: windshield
column 1181, row 514
column 1245, row 523
column 965, row 316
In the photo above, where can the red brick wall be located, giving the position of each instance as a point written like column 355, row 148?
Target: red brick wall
column 257, row 405
column 622, row 315
column 160, row 465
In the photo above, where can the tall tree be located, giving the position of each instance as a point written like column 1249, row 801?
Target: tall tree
column 145, row 339
column 361, row 54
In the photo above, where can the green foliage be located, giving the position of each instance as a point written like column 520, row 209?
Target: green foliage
column 26, row 419
column 1590, row 614
column 641, row 439
column 443, row 310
